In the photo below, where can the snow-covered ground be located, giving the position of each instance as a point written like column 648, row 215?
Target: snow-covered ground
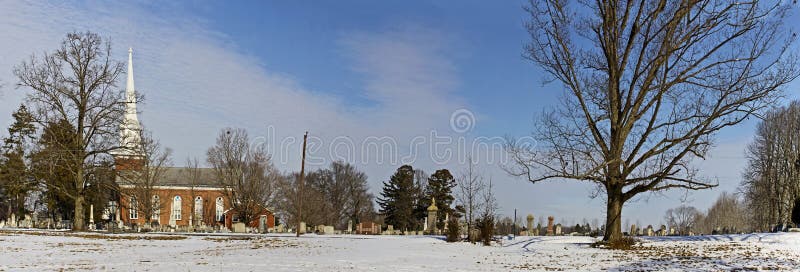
column 47, row 251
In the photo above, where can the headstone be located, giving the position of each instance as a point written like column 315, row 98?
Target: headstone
column 432, row 210
column 650, row 231
column 91, row 217
column 558, row 229
column 280, row 228
column 425, row 226
column 13, row 221
column 349, row 226
column 302, row 227
column 2, row 224
column 535, row 231
column 662, row 231
column 672, row 231
column 328, row 230
column 530, row 224
column 390, row 229
column 239, row 227
column 633, row 230
column 550, row 229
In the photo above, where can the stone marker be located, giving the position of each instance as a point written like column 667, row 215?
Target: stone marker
column 558, row 229
column 390, row 229
column 302, row 227
column 432, row 210
column 349, row 226
column 650, row 230
column 328, row 230
column 239, row 227
column 671, row 231
column 550, row 225
column 633, row 230
column 530, row 224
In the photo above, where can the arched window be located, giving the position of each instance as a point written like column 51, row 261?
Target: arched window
column 220, row 208
column 134, row 214
column 198, row 209
column 176, row 208
column 156, row 209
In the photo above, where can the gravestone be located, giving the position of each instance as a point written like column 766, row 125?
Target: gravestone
column 649, row 230
column 349, row 226
column 550, row 225
column 558, row 229
column 328, row 230
column 2, row 224
column 672, row 231
column 425, row 225
column 633, row 230
column 662, row 231
column 302, row 227
column 280, row 228
column 390, row 229
column 13, row 222
column 530, row 224
column 432, row 210
column 239, row 227
column 91, row 217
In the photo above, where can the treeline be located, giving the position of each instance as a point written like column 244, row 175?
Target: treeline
column 771, row 181
column 727, row 215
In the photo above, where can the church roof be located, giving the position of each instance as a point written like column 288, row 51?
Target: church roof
column 181, row 176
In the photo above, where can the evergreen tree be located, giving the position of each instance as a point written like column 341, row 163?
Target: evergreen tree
column 397, row 201
column 16, row 181
column 440, row 187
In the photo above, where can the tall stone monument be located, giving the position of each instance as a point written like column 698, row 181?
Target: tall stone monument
column 550, row 229
column 530, row 225
column 432, row 210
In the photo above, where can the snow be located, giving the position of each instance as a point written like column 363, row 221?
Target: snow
column 33, row 250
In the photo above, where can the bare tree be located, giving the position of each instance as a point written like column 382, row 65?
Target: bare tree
column 193, row 175
column 769, row 183
column 77, row 83
column 683, row 218
column 245, row 171
column 647, row 86
column 470, row 186
column 144, row 178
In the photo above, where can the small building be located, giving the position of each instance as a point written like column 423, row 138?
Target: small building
column 369, row 228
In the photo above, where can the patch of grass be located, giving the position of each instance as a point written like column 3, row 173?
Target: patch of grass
column 624, row 243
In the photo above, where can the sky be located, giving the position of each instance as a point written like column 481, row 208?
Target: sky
column 375, row 83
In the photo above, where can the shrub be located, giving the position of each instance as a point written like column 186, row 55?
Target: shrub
column 486, row 227
column 453, row 230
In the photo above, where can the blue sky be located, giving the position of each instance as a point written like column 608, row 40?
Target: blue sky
column 352, row 69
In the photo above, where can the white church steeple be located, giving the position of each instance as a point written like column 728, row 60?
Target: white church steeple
column 130, row 128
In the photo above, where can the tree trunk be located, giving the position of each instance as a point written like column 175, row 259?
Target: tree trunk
column 614, row 215
column 78, row 224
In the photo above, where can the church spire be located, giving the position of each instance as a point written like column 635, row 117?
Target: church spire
column 130, row 127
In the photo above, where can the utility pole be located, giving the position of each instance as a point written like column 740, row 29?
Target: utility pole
column 300, row 185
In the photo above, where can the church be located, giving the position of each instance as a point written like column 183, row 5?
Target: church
column 186, row 200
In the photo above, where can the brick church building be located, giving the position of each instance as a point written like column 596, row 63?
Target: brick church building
column 197, row 199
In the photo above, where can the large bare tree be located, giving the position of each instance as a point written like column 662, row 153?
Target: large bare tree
column 245, row 171
column 647, row 85
column 77, row 83
column 145, row 177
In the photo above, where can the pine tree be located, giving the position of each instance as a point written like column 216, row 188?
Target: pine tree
column 440, row 186
column 16, row 180
column 396, row 201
